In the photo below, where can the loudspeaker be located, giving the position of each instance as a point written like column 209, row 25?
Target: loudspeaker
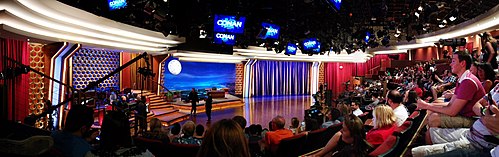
column 329, row 97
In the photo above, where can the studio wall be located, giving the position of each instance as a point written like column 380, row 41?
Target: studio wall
column 89, row 65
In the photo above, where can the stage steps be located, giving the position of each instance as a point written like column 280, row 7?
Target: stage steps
column 161, row 109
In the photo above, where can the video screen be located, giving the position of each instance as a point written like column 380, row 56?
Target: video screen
column 226, row 39
column 272, row 31
column 229, row 24
column 291, row 49
column 199, row 75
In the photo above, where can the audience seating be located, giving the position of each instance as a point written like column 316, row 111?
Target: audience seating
column 386, row 147
column 364, row 116
column 319, row 138
column 181, row 150
column 154, row 146
column 291, row 146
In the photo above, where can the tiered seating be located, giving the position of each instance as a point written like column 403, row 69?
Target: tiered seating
column 319, row 138
column 159, row 148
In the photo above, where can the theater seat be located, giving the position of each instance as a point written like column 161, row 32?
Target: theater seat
column 315, row 140
column 291, row 146
column 386, row 147
column 154, row 146
column 180, row 150
column 363, row 116
column 403, row 129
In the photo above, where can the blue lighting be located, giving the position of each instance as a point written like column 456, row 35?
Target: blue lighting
column 368, row 35
column 201, row 75
column 272, row 31
column 116, row 4
column 337, row 3
column 291, row 49
column 227, row 39
column 229, row 24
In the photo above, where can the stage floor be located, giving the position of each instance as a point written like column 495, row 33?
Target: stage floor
column 261, row 110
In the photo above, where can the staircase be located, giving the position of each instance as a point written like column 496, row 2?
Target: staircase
column 161, row 109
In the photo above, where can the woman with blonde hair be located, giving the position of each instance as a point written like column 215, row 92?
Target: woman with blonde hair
column 384, row 124
column 225, row 138
column 156, row 132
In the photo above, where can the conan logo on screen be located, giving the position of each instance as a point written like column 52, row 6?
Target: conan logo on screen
column 272, row 31
column 310, row 44
column 222, row 38
column 229, row 24
column 116, row 4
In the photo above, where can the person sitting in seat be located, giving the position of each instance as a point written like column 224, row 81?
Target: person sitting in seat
column 349, row 141
column 225, row 138
column 156, row 132
column 273, row 138
column 187, row 138
column 70, row 140
column 384, row 125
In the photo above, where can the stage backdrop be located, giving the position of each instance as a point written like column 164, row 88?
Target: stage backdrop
column 271, row 78
column 90, row 65
column 200, row 75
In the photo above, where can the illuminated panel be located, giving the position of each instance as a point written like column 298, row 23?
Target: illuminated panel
column 36, row 84
column 89, row 65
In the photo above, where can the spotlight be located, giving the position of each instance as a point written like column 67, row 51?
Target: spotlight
column 417, row 14
column 420, row 8
column 442, row 25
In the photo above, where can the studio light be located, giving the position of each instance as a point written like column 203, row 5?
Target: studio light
column 417, row 14
column 420, row 8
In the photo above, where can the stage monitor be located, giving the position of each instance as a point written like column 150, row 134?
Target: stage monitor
column 225, row 39
column 229, row 24
column 291, row 49
column 270, row 31
column 311, row 45
column 116, row 4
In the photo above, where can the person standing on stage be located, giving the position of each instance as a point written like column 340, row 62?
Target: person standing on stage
column 208, row 106
column 193, row 97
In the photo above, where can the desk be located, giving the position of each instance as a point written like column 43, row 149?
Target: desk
column 217, row 94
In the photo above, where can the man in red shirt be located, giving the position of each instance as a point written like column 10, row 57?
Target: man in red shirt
column 458, row 112
column 273, row 138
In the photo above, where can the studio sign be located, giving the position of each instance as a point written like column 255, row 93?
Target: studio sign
column 225, row 37
column 116, row 3
column 271, row 31
column 310, row 44
column 229, row 23
column 291, row 49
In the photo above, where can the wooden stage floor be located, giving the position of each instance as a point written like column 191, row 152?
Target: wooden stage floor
column 261, row 110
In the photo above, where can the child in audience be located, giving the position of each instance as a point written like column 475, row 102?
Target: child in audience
column 295, row 123
column 175, row 131
column 350, row 141
column 384, row 125
column 199, row 132
column 225, row 138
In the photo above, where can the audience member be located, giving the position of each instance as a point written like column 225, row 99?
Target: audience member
column 240, row 120
column 356, row 109
column 332, row 118
column 350, row 141
column 188, row 133
column 295, row 125
column 344, row 111
column 410, row 100
column 384, row 125
column 394, row 100
column 156, row 131
column 254, row 133
column 489, row 49
column 458, row 112
column 116, row 138
column 199, row 132
column 273, row 138
column 225, row 138
column 448, row 83
column 175, row 131
column 310, row 125
column 486, row 75
column 70, row 141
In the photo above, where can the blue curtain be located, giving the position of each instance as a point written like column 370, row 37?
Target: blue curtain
column 271, row 78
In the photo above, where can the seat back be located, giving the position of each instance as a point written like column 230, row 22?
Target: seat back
column 154, row 146
column 386, row 147
column 319, row 138
column 291, row 146
column 181, row 150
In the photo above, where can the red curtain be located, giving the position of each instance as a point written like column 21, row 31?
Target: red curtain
column 126, row 73
column 336, row 74
column 17, row 50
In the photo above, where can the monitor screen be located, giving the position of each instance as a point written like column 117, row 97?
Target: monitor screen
column 311, row 45
column 229, row 24
column 272, row 31
column 226, row 39
column 291, row 49
column 116, row 4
